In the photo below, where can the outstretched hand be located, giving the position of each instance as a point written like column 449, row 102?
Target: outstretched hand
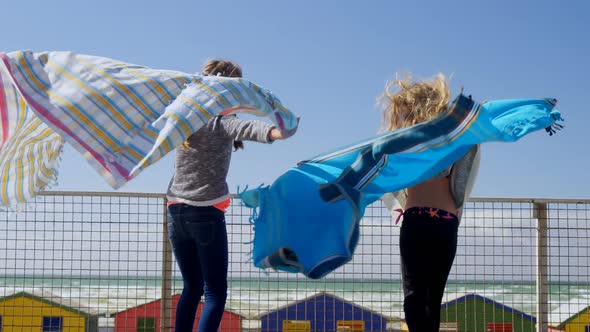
column 276, row 134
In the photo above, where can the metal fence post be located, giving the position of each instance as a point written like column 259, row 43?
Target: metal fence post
column 540, row 212
column 166, row 298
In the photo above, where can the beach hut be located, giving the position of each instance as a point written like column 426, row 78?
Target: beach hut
column 566, row 311
column 579, row 322
column 146, row 318
column 43, row 311
column 473, row 312
column 322, row 312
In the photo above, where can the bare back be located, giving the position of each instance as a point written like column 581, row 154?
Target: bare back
column 435, row 193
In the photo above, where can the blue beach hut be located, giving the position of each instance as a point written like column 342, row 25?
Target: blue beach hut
column 323, row 312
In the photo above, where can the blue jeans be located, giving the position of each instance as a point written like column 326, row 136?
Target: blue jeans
column 199, row 241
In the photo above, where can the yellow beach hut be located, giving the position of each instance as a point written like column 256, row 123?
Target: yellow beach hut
column 41, row 311
column 579, row 322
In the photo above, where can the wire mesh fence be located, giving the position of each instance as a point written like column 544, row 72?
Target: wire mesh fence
column 102, row 262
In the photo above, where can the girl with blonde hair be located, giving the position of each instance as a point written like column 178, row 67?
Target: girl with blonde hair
column 431, row 209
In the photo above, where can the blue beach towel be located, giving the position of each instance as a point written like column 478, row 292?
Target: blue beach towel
column 307, row 221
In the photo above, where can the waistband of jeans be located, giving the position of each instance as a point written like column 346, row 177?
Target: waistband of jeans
column 205, row 210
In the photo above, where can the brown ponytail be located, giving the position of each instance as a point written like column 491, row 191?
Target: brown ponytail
column 226, row 68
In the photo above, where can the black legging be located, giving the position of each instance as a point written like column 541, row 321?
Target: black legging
column 428, row 243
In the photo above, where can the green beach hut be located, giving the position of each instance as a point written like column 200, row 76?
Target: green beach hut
column 476, row 313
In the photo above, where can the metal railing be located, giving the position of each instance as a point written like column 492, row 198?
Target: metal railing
column 106, row 255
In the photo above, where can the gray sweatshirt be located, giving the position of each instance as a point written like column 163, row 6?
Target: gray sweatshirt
column 201, row 168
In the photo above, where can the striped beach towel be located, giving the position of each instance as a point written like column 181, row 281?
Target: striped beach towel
column 307, row 221
column 121, row 117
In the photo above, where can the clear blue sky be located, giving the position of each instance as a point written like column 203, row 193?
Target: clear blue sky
column 328, row 61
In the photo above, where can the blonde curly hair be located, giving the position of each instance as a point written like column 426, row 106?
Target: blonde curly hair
column 407, row 102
